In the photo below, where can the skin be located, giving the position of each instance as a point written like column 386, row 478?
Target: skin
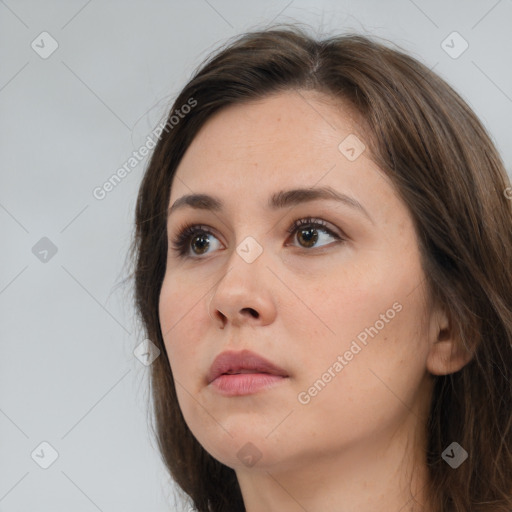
column 359, row 444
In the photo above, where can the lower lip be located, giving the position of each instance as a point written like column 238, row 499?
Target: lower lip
column 245, row 383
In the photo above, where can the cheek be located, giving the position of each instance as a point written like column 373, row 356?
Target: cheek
column 351, row 299
column 180, row 313
column 372, row 313
column 375, row 384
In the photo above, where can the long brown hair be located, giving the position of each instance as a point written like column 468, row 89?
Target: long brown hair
column 446, row 169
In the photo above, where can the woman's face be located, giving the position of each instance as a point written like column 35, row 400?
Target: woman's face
column 339, row 305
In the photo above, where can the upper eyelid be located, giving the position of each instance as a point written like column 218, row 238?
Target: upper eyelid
column 319, row 224
column 187, row 231
column 295, row 225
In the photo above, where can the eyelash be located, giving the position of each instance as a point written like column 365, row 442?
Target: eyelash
column 182, row 240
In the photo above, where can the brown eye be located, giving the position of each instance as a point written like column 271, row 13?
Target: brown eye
column 309, row 232
column 307, row 236
column 192, row 240
column 201, row 243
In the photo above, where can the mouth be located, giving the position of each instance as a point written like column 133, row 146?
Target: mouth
column 237, row 384
column 245, row 361
column 246, row 371
column 238, row 373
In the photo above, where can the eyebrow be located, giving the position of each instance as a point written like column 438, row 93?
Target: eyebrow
column 281, row 199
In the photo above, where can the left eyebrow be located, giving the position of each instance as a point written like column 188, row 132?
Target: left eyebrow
column 279, row 200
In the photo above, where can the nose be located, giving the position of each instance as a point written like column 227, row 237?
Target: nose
column 243, row 295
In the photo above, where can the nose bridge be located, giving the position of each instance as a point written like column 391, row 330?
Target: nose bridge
column 242, row 287
column 245, row 266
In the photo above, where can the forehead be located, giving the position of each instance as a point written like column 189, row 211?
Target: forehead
column 283, row 125
column 250, row 150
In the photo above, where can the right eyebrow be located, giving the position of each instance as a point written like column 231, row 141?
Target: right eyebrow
column 281, row 199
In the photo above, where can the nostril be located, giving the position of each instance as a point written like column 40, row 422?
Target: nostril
column 252, row 312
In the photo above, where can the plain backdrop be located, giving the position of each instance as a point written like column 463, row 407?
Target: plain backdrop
column 82, row 84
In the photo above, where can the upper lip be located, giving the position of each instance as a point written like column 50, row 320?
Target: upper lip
column 232, row 362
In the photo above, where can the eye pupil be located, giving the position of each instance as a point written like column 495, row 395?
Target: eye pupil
column 193, row 241
column 311, row 237
column 204, row 242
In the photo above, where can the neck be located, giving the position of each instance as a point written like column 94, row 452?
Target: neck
column 385, row 474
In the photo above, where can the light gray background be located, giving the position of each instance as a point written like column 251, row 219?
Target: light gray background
column 68, row 375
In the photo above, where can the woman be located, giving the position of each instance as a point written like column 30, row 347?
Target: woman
column 322, row 256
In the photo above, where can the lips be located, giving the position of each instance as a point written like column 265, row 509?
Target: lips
column 245, row 361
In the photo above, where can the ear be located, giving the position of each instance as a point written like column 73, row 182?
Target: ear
column 447, row 353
